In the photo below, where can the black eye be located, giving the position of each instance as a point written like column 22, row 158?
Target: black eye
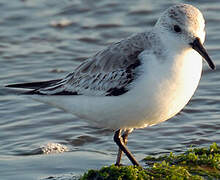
column 177, row 28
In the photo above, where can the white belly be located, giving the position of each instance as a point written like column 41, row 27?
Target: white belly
column 157, row 96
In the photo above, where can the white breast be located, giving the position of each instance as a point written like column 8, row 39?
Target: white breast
column 170, row 85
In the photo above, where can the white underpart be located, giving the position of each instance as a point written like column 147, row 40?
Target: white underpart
column 157, row 95
column 166, row 83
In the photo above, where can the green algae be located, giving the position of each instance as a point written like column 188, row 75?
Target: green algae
column 113, row 172
column 204, row 162
column 194, row 164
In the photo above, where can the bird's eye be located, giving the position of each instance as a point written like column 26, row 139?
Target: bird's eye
column 177, row 28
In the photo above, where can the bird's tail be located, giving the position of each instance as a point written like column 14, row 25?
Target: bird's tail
column 33, row 85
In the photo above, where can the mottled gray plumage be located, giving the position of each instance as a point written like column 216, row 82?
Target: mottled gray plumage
column 109, row 72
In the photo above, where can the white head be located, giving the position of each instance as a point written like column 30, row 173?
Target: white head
column 185, row 26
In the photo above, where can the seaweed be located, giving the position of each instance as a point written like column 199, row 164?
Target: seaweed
column 194, row 164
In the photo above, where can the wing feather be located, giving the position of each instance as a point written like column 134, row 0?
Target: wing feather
column 109, row 72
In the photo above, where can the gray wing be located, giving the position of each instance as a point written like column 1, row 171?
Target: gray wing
column 109, row 72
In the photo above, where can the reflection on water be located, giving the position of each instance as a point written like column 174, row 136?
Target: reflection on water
column 42, row 40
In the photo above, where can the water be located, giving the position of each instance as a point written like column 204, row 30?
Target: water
column 41, row 40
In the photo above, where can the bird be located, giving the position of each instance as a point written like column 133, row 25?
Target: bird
column 139, row 81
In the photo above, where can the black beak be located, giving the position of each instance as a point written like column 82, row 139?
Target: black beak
column 197, row 45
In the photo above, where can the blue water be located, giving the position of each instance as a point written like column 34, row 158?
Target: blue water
column 42, row 40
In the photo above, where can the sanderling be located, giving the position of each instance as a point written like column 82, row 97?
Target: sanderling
column 140, row 81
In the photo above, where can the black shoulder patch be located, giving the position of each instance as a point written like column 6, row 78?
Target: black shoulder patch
column 116, row 91
column 130, row 77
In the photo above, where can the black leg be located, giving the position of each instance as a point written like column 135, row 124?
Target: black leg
column 120, row 142
column 120, row 153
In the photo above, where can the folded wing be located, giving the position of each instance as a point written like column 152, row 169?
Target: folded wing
column 107, row 73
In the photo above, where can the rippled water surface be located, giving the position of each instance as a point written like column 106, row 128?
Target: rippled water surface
column 41, row 40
